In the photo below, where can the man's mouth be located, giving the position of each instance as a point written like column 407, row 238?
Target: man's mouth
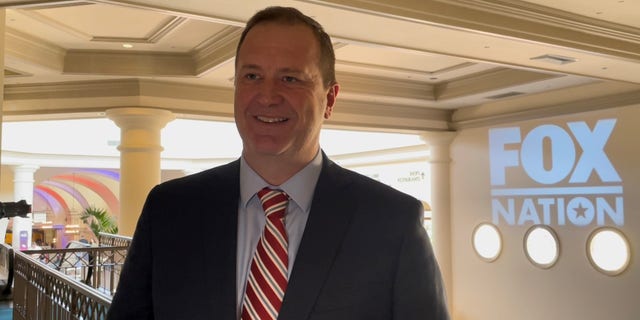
column 271, row 119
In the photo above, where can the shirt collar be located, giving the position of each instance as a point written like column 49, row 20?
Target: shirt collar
column 300, row 187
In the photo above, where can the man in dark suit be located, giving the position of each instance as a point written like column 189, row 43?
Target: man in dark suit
column 356, row 247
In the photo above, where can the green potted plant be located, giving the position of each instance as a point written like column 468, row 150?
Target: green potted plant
column 99, row 220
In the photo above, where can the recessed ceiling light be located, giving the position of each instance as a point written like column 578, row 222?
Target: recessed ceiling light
column 555, row 59
column 127, row 45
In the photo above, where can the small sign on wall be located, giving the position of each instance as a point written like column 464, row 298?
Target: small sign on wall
column 39, row 217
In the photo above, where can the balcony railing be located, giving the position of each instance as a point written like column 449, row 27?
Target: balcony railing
column 72, row 283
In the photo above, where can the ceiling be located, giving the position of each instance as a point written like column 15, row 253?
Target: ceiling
column 404, row 66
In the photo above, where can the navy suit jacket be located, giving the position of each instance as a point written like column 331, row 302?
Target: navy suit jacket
column 364, row 253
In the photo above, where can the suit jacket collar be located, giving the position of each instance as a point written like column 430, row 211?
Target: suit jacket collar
column 331, row 211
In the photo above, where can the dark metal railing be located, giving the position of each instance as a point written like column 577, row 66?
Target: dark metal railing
column 113, row 240
column 44, row 293
column 98, row 267
column 73, row 283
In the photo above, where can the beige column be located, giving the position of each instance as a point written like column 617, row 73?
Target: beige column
column 4, row 223
column 140, row 150
column 440, row 160
column 23, row 181
column 2, row 28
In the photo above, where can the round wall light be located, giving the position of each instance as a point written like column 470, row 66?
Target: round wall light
column 487, row 241
column 541, row 246
column 608, row 251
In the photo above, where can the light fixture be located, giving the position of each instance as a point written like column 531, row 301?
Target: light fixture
column 608, row 251
column 555, row 59
column 487, row 241
column 541, row 246
column 127, row 45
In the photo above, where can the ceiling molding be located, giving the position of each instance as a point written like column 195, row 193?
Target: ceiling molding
column 73, row 98
column 117, row 88
column 26, row 48
column 413, row 74
column 98, row 96
column 385, row 124
column 406, row 65
column 13, row 73
column 385, row 110
column 185, row 92
column 477, row 16
column 217, row 50
column 54, row 24
column 584, row 105
column 41, row 4
column 84, row 89
column 552, row 16
column 194, row 9
column 91, row 97
column 162, row 31
column 445, row 71
column 166, row 29
column 489, row 81
column 409, row 73
column 128, row 63
column 354, row 113
column 387, row 87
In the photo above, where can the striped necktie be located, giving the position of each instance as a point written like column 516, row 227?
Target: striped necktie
column 267, row 280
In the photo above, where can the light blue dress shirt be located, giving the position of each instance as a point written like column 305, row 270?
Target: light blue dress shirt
column 251, row 218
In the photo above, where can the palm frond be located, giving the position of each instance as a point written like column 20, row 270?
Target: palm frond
column 99, row 220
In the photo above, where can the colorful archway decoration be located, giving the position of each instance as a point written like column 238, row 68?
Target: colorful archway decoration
column 103, row 172
column 102, row 190
column 53, row 199
column 69, row 189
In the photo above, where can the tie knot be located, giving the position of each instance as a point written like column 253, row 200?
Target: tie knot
column 274, row 202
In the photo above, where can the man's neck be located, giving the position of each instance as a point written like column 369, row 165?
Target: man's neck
column 276, row 170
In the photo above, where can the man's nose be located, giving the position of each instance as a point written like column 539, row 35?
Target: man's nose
column 270, row 93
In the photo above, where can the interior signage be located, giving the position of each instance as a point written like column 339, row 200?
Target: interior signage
column 555, row 175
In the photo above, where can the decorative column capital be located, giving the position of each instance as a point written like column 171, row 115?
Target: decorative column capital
column 140, row 127
column 438, row 138
column 24, row 172
column 29, row 168
column 140, row 118
column 439, row 142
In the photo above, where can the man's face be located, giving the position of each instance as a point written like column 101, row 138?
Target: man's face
column 280, row 100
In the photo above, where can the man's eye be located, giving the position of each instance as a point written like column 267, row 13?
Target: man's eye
column 251, row 76
column 289, row 79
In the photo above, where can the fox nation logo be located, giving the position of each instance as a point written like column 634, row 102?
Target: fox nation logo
column 568, row 177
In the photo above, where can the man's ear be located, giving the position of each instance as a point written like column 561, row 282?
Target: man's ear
column 332, row 96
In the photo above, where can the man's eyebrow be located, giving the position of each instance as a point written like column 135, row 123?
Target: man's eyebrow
column 250, row 66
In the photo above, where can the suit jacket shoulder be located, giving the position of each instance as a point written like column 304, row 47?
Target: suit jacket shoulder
column 364, row 255
column 181, row 262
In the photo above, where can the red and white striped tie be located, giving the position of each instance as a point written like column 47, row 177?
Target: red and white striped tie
column 267, row 280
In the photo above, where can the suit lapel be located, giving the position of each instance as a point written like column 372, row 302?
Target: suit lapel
column 329, row 219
